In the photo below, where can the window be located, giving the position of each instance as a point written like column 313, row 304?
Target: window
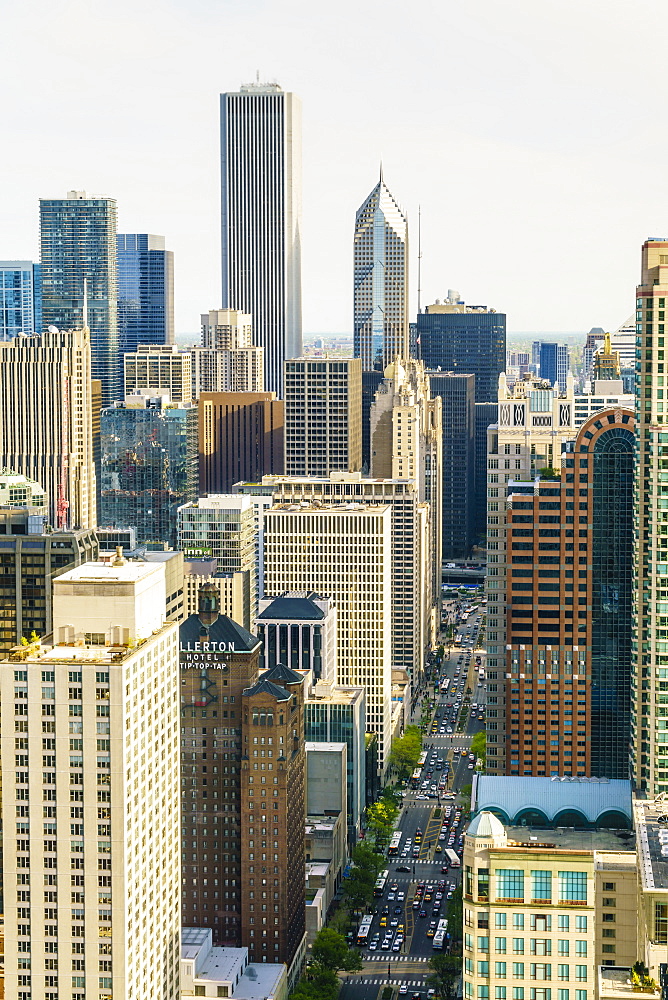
column 581, row 973
column 563, row 946
column 541, row 885
column 518, row 970
column 499, row 993
column 500, row 920
column 483, row 944
column 510, row 884
column 564, row 921
column 562, row 972
column 518, row 993
column 581, row 923
column 573, row 887
column 483, row 993
column 660, row 924
column 483, row 968
column 581, row 949
column 500, row 970
column 518, row 921
column 518, row 946
column 500, row 945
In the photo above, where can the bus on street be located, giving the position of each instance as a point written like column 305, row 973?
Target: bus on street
column 395, row 844
column 439, row 937
column 364, row 930
column 451, row 858
column 381, row 882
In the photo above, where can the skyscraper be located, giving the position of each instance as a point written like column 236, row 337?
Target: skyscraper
column 651, row 556
column 554, row 363
column 568, row 591
column 261, row 204
column 78, row 255
column 92, row 869
column 240, row 438
column 380, row 297
column 145, row 291
column 159, row 370
column 226, row 360
column 20, row 298
column 46, row 429
column 459, row 338
column 323, row 414
column 457, row 394
column 149, row 465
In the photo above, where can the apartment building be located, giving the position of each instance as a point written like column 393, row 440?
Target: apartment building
column 90, row 793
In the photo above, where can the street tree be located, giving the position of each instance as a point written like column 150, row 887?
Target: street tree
column 380, row 817
column 405, row 751
column 479, row 745
column 330, row 950
column 446, row 972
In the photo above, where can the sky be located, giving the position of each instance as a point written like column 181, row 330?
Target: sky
column 531, row 134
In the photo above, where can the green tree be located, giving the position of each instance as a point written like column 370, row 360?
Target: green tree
column 365, row 858
column 358, row 887
column 405, row 751
column 380, row 817
column 317, row 983
column 446, row 972
column 479, row 746
column 456, row 916
column 331, row 951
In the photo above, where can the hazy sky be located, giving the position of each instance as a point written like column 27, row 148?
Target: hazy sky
column 532, row 132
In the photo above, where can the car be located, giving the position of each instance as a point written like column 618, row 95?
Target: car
column 390, row 897
column 401, row 896
column 397, row 945
column 403, row 989
column 394, row 886
column 394, row 923
column 387, row 944
column 384, row 912
column 449, row 894
column 383, row 922
column 471, row 756
column 403, row 868
column 373, row 946
column 421, row 796
column 422, row 913
column 444, row 868
column 398, row 909
column 470, row 767
column 416, row 996
column 416, row 903
column 438, row 849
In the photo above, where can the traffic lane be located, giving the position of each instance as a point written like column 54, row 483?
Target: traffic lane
column 361, row 991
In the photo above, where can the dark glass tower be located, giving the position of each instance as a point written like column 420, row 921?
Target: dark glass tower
column 78, row 254
column 145, row 291
column 612, row 602
column 467, row 339
column 457, row 393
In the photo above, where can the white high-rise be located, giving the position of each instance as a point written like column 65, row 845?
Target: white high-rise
column 381, row 280
column 91, row 793
column 226, row 360
column 261, row 206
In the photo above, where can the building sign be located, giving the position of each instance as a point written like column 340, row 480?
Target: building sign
column 205, row 655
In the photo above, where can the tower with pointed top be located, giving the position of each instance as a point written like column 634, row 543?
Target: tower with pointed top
column 381, row 280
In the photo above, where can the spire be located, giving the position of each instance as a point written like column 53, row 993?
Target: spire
column 381, row 170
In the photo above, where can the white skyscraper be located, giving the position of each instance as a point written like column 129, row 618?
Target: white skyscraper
column 381, row 280
column 261, row 205
column 91, row 793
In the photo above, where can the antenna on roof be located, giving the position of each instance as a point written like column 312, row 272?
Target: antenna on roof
column 85, row 304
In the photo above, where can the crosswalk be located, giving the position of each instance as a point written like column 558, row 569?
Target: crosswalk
column 363, row 981
column 395, row 958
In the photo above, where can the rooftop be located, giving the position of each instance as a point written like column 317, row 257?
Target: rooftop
column 614, row 983
column 294, row 606
column 565, row 839
column 311, row 746
column 321, row 506
column 44, row 652
column 555, row 801
column 652, row 830
column 99, row 572
column 224, row 631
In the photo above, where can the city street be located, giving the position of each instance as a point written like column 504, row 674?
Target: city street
column 421, row 821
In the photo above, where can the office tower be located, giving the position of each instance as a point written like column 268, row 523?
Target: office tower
column 459, row 338
column 79, row 278
column 651, row 573
column 223, row 699
column 593, row 342
column 273, row 710
column 160, row 369
column 149, row 465
column 554, row 364
column 485, row 414
column 31, row 556
column 605, row 393
column 46, row 420
column 569, row 622
column 606, row 362
column 323, row 415
column 535, row 420
column 299, row 629
column 380, row 296
column 145, row 291
column 240, row 438
column 413, row 603
column 261, row 209
column 261, row 499
column 226, row 360
column 457, row 395
column 337, row 714
column 91, row 803
column 222, row 527
column 370, row 383
column 547, row 909
column 517, row 362
column 406, row 443
column 20, row 298
column 344, row 551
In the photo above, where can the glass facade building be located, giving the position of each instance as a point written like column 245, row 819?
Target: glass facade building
column 149, row 466
column 20, row 298
column 554, row 362
column 457, row 393
column 145, row 291
column 78, row 257
column 457, row 341
column 612, row 602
